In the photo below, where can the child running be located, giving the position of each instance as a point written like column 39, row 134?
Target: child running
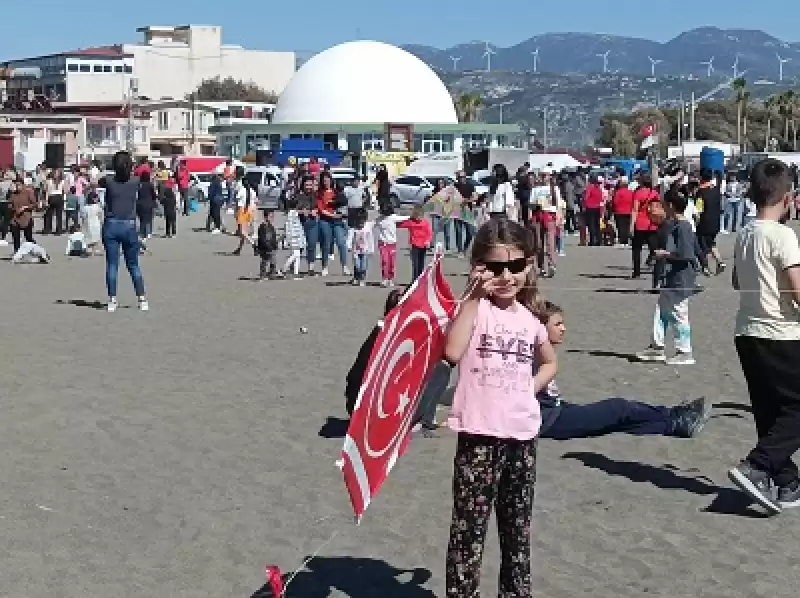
column 562, row 420
column 496, row 341
column 420, row 235
column 677, row 283
column 766, row 272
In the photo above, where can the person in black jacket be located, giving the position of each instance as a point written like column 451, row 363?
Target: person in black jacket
column 708, row 224
column 266, row 246
column 145, row 205
column 170, row 203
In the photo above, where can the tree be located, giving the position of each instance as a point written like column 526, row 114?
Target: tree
column 739, row 86
column 468, row 107
column 770, row 106
column 222, row 90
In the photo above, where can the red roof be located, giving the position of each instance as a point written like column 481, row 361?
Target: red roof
column 115, row 50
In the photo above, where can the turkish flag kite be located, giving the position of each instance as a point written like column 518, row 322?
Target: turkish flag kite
column 410, row 342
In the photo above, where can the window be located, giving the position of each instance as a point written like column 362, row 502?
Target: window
column 107, row 68
column 128, row 69
column 141, row 134
column 417, row 143
column 94, row 134
column 57, row 137
column 24, row 136
column 163, row 120
column 187, row 121
column 411, row 181
column 502, row 140
column 85, row 68
column 72, row 68
column 118, row 69
column 98, row 68
column 448, row 140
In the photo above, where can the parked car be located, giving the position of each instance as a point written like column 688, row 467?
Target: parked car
column 414, row 188
column 269, row 185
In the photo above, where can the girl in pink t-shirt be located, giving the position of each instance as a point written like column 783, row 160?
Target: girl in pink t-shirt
column 496, row 341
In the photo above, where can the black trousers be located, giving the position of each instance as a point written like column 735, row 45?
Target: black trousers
column 54, row 212
column 5, row 219
column 171, row 220
column 623, row 222
column 592, row 216
column 17, row 232
column 570, row 221
column 642, row 238
column 214, row 215
column 417, row 261
column 770, row 368
column 185, row 201
column 71, row 217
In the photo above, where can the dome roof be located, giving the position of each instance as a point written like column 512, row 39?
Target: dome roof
column 365, row 82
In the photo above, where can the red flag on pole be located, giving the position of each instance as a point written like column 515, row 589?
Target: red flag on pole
column 410, row 342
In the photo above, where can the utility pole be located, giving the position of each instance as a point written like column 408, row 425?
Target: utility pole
column 130, row 139
column 545, row 127
column 680, row 122
column 691, row 119
column 192, row 124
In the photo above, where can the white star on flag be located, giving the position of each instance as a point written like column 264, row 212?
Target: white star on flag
column 403, row 403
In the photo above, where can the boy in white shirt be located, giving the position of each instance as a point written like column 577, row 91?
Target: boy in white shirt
column 767, row 337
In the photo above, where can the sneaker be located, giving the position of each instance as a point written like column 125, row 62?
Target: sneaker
column 144, row 305
column 112, row 305
column 690, row 418
column 756, row 484
column 789, row 496
column 3, row 243
column 652, row 354
column 384, row 283
column 721, row 268
column 361, row 283
column 681, row 359
column 706, row 272
column 331, row 258
column 390, row 284
column 216, row 231
column 324, row 272
column 354, row 282
column 564, row 253
column 345, row 271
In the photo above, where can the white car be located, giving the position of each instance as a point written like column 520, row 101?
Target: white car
column 269, row 185
column 199, row 182
column 414, row 188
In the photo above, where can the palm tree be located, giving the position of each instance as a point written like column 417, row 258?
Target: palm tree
column 745, row 114
column 786, row 106
column 739, row 86
column 468, row 107
column 770, row 105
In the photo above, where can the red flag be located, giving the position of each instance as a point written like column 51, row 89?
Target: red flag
column 647, row 130
column 410, row 342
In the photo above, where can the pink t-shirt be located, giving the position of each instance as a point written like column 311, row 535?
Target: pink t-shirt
column 494, row 394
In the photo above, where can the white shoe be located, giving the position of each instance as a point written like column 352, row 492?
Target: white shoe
column 112, row 305
column 144, row 305
column 324, row 272
column 384, row 283
column 362, row 283
column 331, row 257
column 345, row 271
column 3, row 243
column 216, row 231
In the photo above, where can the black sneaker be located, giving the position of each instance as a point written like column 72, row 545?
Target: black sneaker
column 690, row 418
column 756, row 484
column 789, row 496
column 720, row 268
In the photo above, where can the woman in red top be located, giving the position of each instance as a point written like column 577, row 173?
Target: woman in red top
column 326, row 210
column 644, row 230
column 593, row 203
column 622, row 208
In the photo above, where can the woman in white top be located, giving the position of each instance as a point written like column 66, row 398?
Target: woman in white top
column 92, row 222
column 54, row 188
column 501, row 200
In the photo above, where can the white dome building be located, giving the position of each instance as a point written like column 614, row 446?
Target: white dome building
column 365, row 82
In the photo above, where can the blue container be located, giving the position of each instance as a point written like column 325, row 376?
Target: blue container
column 712, row 159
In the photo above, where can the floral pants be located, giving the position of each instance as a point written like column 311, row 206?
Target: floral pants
column 491, row 471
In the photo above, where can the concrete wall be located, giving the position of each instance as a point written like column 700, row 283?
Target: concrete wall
column 97, row 87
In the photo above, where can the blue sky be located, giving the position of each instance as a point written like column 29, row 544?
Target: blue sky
column 313, row 25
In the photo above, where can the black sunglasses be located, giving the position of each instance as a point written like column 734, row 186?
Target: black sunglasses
column 514, row 266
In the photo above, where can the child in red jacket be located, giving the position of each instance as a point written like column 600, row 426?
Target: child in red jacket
column 420, row 235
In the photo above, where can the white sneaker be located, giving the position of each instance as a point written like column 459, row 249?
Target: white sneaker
column 362, row 283
column 112, row 305
column 384, row 283
column 345, row 271
column 324, row 272
column 390, row 284
column 3, row 243
column 331, row 257
column 144, row 305
column 216, row 231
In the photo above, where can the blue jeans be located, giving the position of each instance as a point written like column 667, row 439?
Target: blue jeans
column 145, row 227
column 464, row 234
column 231, row 195
column 325, row 240
column 116, row 234
column 732, row 215
column 609, row 416
column 441, row 224
column 339, row 240
column 360, row 266
column 311, row 228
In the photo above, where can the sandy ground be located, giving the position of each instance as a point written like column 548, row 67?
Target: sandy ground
column 174, row 453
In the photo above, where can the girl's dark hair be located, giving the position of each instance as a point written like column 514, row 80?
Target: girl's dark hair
column 499, row 176
column 325, row 175
column 502, row 231
column 392, row 300
column 145, row 176
column 646, row 180
column 122, row 162
column 386, row 208
column 548, row 309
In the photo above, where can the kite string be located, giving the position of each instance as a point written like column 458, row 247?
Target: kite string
column 308, row 559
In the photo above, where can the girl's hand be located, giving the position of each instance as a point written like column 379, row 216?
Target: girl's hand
column 480, row 283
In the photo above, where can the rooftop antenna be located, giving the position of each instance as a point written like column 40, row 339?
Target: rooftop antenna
column 781, row 62
column 604, row 56
column 535, row 55
column 710, row 64
column 487, row 54
column 456, row 60
column 653, row 64
column 736, row 67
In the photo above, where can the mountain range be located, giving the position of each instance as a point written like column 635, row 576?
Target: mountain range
column 687, row 54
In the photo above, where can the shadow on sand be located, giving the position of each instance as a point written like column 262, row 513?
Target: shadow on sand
column 334, row 427
column 600, row 353
column 601, row 276
column 726, row 502
column 89, row 304
column 356, row 578
column 733, row 406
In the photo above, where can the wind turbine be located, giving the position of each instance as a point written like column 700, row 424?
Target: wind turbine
column 653, row 64
column 487, row 54
column 456, row 60
column 781, row 62
column 736, row 67
column 604, row 56
column 535, row 55
column 710, row 64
